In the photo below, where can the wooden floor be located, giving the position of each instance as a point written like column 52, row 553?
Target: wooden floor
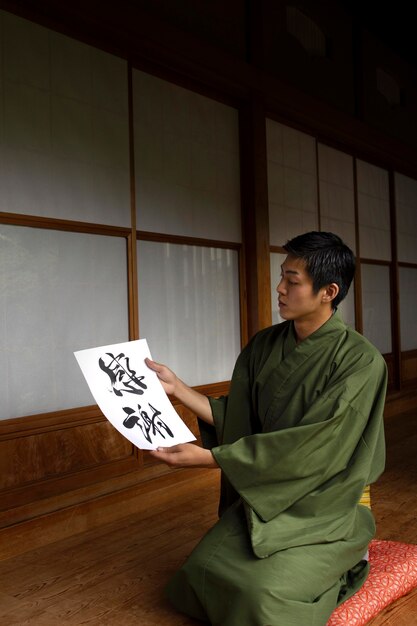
column 115, row 575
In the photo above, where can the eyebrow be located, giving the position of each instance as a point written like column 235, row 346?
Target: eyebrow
column 289, row 271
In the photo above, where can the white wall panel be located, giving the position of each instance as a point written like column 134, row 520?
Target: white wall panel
column 60, row 292
column 376, row 302
column 337, row 204
column 277, row 260
column 347, row 307
column 292, row 182
column 64, row 147
column 186, row 160
column 408, row 307
column 373, row 212
column 406, row 210
column 189, row 309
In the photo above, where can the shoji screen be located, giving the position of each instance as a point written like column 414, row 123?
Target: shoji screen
column 187, row 162
column 64, row 127
column 61, row 292
column 188, row 308
column 337, row 207
column 187, row 186
column 277, row 260
column 406, row 207
column 292, row 182
column 376, row 303
column 64, row 154
column 292, row 192
column 408, row 307
column 375, row 247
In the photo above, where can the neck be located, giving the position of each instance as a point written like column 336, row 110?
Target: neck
column 306, row 327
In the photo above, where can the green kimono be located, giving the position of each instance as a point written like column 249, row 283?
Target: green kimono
column 298, row 438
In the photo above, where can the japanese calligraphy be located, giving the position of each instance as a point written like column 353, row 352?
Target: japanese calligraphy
column 122, row 377
column 131, row 396
column 149, row 426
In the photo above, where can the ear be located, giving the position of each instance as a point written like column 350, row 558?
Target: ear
column 330, row 292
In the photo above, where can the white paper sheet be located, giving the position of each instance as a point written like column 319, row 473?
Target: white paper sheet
column 131, row 396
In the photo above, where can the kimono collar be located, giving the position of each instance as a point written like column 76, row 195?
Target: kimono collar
column 334, row 324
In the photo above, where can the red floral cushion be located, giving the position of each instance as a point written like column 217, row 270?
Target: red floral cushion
column 393, row 573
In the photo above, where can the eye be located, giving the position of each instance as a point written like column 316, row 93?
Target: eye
column 291, row 282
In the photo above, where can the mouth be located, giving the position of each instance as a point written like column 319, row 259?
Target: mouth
column 280, row 303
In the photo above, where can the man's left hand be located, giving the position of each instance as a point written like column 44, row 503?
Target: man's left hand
column 185, row 455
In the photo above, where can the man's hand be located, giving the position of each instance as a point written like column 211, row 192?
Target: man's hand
column 166, row 376
column 185, row 455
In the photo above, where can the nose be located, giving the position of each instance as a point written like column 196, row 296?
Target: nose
column 281, row 287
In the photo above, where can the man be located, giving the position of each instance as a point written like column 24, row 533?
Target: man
column 298, row 438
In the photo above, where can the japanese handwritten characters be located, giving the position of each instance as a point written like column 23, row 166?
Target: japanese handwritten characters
column 122, row 377
column 131, row 396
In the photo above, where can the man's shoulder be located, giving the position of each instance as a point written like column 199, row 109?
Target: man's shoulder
column 264, row 340
column 271, row 332
column 361, row 349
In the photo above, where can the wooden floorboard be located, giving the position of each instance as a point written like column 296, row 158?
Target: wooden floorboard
column 115, row 574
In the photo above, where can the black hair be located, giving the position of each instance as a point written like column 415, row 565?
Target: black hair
column 327, row 260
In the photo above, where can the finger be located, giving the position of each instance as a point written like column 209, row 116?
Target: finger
column 153, row 365
column 178, row 448
column 165, row 457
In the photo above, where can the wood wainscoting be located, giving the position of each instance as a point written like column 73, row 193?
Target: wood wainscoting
column 67, row 472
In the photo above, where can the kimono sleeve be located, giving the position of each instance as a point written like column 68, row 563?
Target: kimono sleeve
column 211, row 435
column 274, row 470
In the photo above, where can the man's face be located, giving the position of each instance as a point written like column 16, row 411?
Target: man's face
column 296, row 299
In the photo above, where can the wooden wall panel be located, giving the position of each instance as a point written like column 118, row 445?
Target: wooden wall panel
column 409, row 366
column 54, row 461
column 38, row 457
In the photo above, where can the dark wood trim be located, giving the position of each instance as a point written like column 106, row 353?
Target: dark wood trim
column 143, row 235
column 49, row 422
column 212, row 389
column 132, row 253
column 316, row 143
column 369, row 261
column 31, row 221
column 277, row 249
column 191, row 83
column 243, row 298
column 407, row 264
column 254, row 27
column 395, row 285
column 255, row 214
column 358, row 275
column 409, row 354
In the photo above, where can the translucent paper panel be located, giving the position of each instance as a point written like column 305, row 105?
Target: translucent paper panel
column 337, row 204
column 189, row 309
column 187, row 162
column 60, row 292
column 64, row 145
column 277, row 260
column 406, row 206
column 346, row 308
column 376, row 305
column 374, row 212
column 408, row 307
column 292, row 182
